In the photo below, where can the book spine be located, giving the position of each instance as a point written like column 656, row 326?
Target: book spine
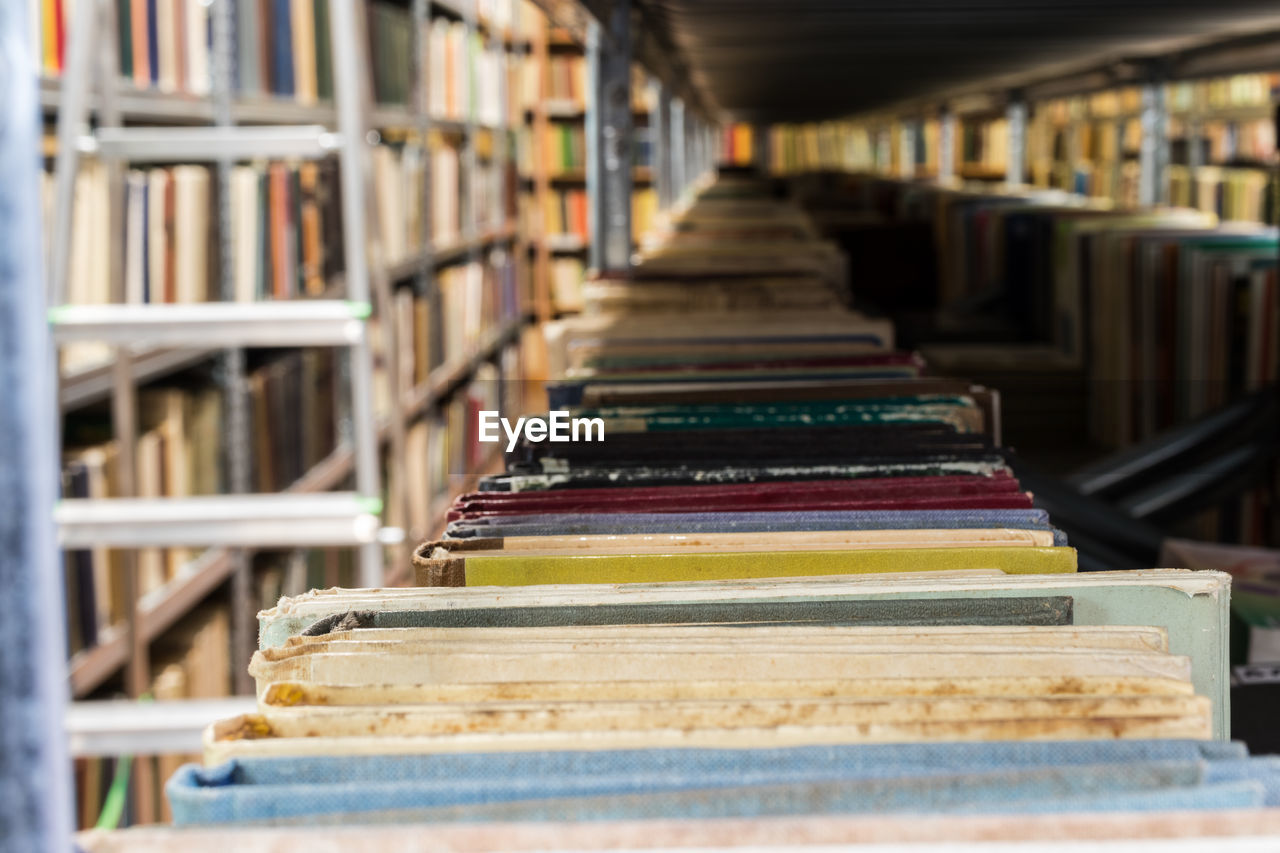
column 282, row 47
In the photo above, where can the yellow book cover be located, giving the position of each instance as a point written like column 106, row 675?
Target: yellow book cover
column 659, row 568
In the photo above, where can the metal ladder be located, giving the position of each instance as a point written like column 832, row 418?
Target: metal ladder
column 236, row 520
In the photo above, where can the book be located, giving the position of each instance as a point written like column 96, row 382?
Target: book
column 1191, row 606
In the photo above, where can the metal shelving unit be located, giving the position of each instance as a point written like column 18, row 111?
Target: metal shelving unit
column 157, row 340
column 223, row 127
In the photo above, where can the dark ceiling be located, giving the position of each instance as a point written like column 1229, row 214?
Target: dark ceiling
column 779, row 60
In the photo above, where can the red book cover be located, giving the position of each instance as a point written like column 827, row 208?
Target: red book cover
column 180, row 45
column 59, row 31
column 1001, row 482
column 277, row 204
column 141, row 53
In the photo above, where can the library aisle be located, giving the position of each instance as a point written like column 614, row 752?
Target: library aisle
column 639, row 424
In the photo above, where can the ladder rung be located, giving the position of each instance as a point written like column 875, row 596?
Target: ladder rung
column 262, row 520
column 298, row 322
column 187, row 144
column 129, row 727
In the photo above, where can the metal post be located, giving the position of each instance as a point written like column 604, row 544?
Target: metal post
column 946, row 146
column 235, row 387
column 1195, row 152
column 349, row 89
column 697, row 150
column 707, row 148
column 422, row 111
column 35, row 770
column 72, row 120
column 660, row 140
column 676, row 144
column 694, row 164
column 1016, row 150
column 608, row 130
column 1153, row 156
column 695, row 135
column 124, row 393
column 907, row 149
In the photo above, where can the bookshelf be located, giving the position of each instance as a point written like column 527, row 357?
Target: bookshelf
column 458, row 132
column 1135, row 267
column 465, row 290
column 559, row 197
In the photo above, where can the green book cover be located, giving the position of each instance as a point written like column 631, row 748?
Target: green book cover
column 124, row 45
column 324, row 52
column 566, row 146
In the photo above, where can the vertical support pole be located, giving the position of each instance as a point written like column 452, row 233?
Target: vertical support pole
column 1016, row 149
column 702, row 147
column 541, row 183
column 694, row 128
column 907, row 149
column 693, row 153
column 660, row 139
column 350, row 89
column 422, row 113
column 608, row 129
column 35, row 770
column 470, row 162
column 235, row 388
column 124, row 393
column 1195, row 152
column 946, row 146
column 678, row 149
column 1153, row 157
column 72, row 121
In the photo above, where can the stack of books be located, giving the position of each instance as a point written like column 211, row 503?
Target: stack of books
column 779, row 574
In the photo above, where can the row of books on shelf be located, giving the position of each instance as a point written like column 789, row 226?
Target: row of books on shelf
column 293, row 415
column 470, row 302
column 1223, row 141
column 1236, row 91
column 285, row 237
column 485, row 196
column 468, row 77
column 1170, row 314
column 194, row 660
column 179, row 453
column 282, row 48
column 818, row 146
column 444, row 449
column 566, row 148
column 566, row 212
column 737, row 144
column 1090, row 140
column 1107, row 179
column 1238, row 195
column 984, row 145
column 568, row 86
column 1232, row 194
column 285, row 226
column 163, row 44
